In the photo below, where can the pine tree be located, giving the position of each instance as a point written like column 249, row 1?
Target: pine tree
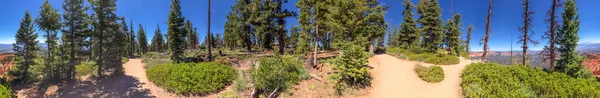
column 453, row 35
column 135, row 47
column 25, row 48
column 292, row 40
column 209, row 54
column 176, row 35
column 158, row 42
column 375, row 24
column 280, row 14
column 408, row 28
column 486, row 37
column 550, row 51
column 49, row 22
column 431, row 24
column 192, row 38
column 142, row 40
column 525, row 35
column 394, row 38
column 129, row 49
column 570, row 61
column 469, row 32
column 107, row 37
column 75, row 29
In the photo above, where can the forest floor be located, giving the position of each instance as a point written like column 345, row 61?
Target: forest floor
column 395, row 78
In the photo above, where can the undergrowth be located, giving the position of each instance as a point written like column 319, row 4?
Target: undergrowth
column 497, row 81
column 439, row 58
column 432, row 74
column 192, row 78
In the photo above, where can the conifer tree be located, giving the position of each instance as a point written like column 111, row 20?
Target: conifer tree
column 453, row 35
column 292, row 40
column 192, row 38
column 25, row 48
column 129, row 49
column 394, row 38
column 107, row 37
column 525, row 35
column 486, row 37
column 176, row 35
column 158, row 42
column 49, row 22
column 280, row 14
column 75, row 29
column 570, row 62
column 135, row 47
column 142, row 40
column 408, row 28
column 550, row 51
column 431, row 24
column 469, row 32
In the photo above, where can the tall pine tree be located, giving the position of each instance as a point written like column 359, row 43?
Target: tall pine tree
column 25, row 48
column 175, row 33
column 453, row 35
column 570, row 62
column 75, row 31
column 143, row 42
column 468, row 42
column 49, row 22
column 158, row 42
column 408, row 28
column 431, row 24
column 107, row 37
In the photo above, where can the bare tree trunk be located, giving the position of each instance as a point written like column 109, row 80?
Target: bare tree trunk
column 281, row 42
column 209, row 38
column 487, row 33
column 316, row 61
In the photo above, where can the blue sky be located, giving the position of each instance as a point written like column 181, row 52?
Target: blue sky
column 505, row 21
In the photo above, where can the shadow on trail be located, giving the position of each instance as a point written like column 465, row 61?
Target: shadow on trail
column 120, row 86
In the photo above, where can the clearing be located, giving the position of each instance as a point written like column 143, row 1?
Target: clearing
column 395, row 78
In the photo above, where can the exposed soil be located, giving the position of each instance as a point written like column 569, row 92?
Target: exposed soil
column 395, row 78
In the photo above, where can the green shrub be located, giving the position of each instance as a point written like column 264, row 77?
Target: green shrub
column 277, row 72
column 85, row 68
column 350, row 68
column 153, row 62
column 433, row 74
column 124, row 60
column 192, row 78
column 241, row 83
column 228, row 94
column 497, row 81
column 5, row 89
column 440, row 58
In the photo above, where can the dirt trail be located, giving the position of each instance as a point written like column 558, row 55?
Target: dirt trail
column 395, row 78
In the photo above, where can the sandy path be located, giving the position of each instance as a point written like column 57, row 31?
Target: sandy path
column 395, row 78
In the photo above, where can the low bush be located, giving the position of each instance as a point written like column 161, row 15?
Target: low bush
column 498, row 81
column 149, row 63
column 85, row 68
column 350, row 69
column 192, row 78
column 278, row 72
column 5, row 89
column 432, row 74
column 439, row 58
column 124, row 60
